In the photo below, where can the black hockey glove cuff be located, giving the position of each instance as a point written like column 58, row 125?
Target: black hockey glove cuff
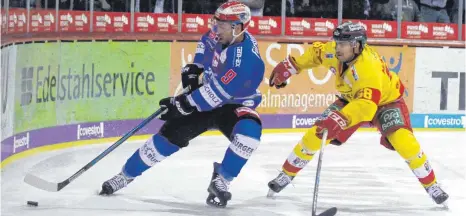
column 190, row 75
column 175, row 107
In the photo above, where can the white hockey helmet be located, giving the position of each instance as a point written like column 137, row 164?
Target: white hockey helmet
column 234, row 12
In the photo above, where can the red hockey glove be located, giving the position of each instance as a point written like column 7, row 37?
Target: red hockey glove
column 282, row 72
column 335, row 122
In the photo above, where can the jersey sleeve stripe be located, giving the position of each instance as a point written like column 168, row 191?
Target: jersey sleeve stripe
column 207, row 97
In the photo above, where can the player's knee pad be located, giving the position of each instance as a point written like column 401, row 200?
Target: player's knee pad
column 154, row 150
column 404, row 142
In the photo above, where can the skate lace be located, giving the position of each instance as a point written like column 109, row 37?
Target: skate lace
column 221, row 184
column 283, row 179
column 435, row 191
column 119, row 181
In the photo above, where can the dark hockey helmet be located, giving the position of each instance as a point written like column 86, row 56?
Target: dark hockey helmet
column 349, row 31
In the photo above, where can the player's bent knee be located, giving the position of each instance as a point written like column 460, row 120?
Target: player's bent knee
column 174, row 138
column 247, row 113
column 404, row 142
column 248, row 126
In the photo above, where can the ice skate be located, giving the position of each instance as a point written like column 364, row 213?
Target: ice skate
column 279, row 183
column 218, row 190
column 114, row 184
column 437, row 194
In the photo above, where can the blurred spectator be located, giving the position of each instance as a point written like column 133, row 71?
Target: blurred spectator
column 318, row 8
column 104, row 5
column 201, row 6
column 15, row 3
column 196, row 7
column 273, row 8
column 434, row 11
column 388, row 11
column 355, row 9
column 144, row 6
column 165, row 6
column 304, row 8
column 45, row 4
column 454, row 11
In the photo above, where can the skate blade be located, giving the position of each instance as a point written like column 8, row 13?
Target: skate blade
column 211, row 202
column 271, row 194
column 445, row 205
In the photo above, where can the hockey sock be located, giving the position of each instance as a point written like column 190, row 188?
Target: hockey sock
column 302, row 153
column 422, row 169
column 245, row 140
column 297, row 160
column 407, row 146
column 154, row 150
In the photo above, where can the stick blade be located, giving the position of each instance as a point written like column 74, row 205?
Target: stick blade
column 40, row 183
column 329, row 212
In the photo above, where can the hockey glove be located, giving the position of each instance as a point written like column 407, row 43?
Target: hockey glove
column 175, row 107
column 335, row 122
column 282, row 72
column 190, row 77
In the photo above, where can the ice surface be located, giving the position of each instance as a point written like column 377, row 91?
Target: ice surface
column 360, row 178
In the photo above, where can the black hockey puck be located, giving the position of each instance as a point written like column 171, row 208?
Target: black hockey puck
column 32, row 203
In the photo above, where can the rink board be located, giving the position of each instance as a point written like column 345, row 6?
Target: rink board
column 101, row 90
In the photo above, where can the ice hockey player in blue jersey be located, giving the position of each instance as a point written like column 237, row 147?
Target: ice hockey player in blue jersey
column 225, row 99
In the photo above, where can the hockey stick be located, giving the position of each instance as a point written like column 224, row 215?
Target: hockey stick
column 54, row 187
column 331, row 211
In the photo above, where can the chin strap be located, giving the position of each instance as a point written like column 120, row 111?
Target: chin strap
column 233, row 33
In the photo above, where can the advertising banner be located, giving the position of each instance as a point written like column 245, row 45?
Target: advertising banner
column 444, row 31
column 111, row 22
column 436, row 31
column 266, row 25
column 310, row 26
column 93, row 82
column 74, row 21
column 17, row 20
column 309, row 92
column 150, row 22
column 195, row 23
column 42, row 21
column 440, row 81
column 438, row 121
column 298, row 26
column 378, row 28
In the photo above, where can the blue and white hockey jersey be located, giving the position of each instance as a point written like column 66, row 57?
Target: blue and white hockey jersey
column 232, row 75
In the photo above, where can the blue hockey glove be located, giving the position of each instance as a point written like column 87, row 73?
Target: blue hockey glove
column 175, row 107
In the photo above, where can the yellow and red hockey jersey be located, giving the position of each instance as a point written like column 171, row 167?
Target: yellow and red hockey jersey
column 366, row 82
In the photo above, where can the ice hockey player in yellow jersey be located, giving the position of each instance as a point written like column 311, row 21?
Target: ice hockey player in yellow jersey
column 369, row 93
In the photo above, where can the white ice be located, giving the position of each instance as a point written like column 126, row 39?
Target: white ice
column 359, row 178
